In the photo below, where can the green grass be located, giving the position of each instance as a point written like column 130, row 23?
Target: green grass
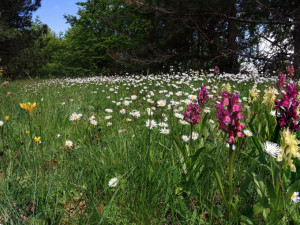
column 161, row 180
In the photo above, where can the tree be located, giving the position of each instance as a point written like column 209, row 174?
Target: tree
column 16, row 35
column 245, row 23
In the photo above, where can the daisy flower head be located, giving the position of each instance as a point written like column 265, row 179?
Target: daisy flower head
column 122, row 111
column 1, row 123
column 75, row 116
column 162, row 124
column 108, row 110
column 192, row 97
column 151, row 124
column 195, row 135
column 126, row 103
column 165, row 131
column 69, row 143
column 108, row 117
column 92, row 117
column 247, row 133
column 136, row 114
column 206, row 110
column 113, row 182
column 133, row 97
column 187, row 101
column 184, row 122
column 211, row 121
column 272, row 149
column 185, row 138
column 295, row 197
column 94, row 122
column 161, row 103
column 179, row 116
column 109, row 124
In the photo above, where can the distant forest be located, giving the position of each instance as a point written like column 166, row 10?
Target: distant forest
column 117, row 36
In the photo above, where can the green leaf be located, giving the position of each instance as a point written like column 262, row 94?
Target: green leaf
column 221, row 188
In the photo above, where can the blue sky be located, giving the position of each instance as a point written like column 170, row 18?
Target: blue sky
column 52, row 13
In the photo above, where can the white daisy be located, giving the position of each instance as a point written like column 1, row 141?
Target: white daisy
column 247, row 133
column 108, row 117
column 1, row 123
column 75, row 116
column 162, row 124
column 195, row 136
column 94, row 122
column 69, row 143
column 185, row 138
column 109, row 110
column 151, row 124
column 161, row 103
column 113, row 182
column 165, row 131
column 295, row 197
column 272, row 149
column 179, row 116
column 183, row 122
column 207, row 110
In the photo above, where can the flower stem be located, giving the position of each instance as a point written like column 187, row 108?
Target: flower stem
column 191, row 139
column 230, row 181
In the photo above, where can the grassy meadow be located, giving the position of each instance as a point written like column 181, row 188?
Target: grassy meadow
column 59, row 159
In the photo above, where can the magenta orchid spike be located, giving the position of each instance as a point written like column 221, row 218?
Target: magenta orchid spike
column 281, row 81
column 193, row 114
column 286, row 113
column 217, row 70
column 202, row 96
column 291, row 70
column 229, row 115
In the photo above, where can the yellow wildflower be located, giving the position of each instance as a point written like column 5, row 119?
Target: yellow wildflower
column 269, row 97
column 226, row 87
column 27, row 131
column 28, row 106
column 7, row 118
column 37, row 139
column 289, row 149
column 253, row 94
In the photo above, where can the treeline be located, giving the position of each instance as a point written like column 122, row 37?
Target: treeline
column 113, row 36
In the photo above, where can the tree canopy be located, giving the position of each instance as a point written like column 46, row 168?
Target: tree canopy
column 108, row 36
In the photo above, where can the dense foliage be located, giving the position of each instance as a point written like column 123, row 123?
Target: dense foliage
column 111, row 36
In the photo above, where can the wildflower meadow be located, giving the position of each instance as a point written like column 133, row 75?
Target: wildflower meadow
column 173, row 148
